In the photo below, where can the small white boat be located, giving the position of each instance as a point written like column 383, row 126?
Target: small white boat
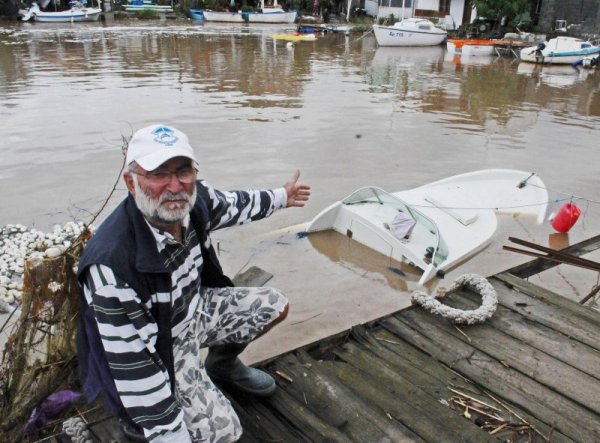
column 77, row 13
column 267, row 14
column 470, row 47
column 559, row 50
column 148, row 7
column 591, row 61
column 409, row 32
column 436, row 226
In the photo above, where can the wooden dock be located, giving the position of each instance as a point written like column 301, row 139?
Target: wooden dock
column 529, row 374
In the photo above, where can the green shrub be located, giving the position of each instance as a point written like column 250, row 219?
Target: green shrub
column 146, row 14
column 387, row 21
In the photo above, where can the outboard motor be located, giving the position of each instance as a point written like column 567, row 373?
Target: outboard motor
column 540, row 48
column 539, row 57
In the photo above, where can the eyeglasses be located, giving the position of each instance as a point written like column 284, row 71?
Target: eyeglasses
column 185, row 174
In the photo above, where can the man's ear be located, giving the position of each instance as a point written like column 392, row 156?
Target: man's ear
column 128, row 178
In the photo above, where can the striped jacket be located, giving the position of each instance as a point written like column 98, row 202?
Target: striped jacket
column 130, row 309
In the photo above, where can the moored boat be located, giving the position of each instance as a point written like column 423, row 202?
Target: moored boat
column 147, row 6
column 470, row 47
column 409, row 32
column 591, row 61
column 436, row 226
column 267, row 14
column 77, row 13
column 197, row 14
column 559, row 50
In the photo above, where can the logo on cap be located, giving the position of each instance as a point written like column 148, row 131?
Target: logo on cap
column 165, row 136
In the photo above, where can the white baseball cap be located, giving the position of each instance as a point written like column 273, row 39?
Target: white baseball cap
column 153, row 145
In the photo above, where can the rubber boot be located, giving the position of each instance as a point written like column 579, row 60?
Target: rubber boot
column 223, row 366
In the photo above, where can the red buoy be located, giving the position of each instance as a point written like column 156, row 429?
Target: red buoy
column 566, row 217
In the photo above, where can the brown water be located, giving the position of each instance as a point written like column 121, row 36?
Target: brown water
column 342, row 110
column 345, row 112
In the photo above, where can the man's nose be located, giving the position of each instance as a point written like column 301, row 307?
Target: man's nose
column 174, row 184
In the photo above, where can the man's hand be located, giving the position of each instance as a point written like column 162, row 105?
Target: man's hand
column 297, row 193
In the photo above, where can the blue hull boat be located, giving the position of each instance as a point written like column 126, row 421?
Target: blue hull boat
column 197, row 14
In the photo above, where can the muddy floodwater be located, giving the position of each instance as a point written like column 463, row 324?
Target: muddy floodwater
column 345, row 112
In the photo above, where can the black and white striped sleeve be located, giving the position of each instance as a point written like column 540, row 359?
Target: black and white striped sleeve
column 229, row 208
column 129, row 333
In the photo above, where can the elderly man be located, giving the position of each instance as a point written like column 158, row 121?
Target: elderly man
column 153, row 294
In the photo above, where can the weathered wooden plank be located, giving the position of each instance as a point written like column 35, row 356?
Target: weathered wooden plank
column 558, row 376
column 300, row 417
column 550, row 341
column 543, row 310
column 563, row 414
column 590, row 315
column 382, row 406
column 335, row 403
column 252, row 277
column 406, row 400
column 406, row 359
column 438, row 377
column 538, row 265
column 260, row 422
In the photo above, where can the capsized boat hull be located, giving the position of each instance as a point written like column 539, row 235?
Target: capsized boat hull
column 454, row 218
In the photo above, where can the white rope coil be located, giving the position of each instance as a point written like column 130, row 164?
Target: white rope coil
column 77, row 430
column 475, row 282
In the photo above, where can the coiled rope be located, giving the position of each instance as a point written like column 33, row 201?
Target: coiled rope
column 475, row 282
column 77, row 430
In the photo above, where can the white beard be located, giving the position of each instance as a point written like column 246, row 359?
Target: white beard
column 155, row 212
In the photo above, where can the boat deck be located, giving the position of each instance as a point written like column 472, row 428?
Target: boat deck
column 530, row 373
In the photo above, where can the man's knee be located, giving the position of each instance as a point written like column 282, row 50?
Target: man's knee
column 276, row 320
column 284, row 313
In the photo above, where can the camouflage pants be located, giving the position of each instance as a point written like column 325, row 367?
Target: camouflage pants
column 226, row 315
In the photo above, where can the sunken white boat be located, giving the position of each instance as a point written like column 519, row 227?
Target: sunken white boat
column 436, row 226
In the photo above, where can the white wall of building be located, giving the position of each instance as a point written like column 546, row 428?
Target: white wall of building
column 456, row 9
column 431, row 5
column 371, row 7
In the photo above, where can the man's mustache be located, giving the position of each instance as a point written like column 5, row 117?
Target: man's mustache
column 177, row 196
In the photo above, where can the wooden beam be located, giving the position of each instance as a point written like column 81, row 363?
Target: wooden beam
column 536, row 266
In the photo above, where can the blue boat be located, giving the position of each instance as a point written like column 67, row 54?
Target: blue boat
column 197, row 14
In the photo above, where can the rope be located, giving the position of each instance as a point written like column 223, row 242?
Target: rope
column 474, row 282
column 77, row 430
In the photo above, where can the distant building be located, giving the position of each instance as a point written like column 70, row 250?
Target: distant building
column 451, row 13
column 581, row 16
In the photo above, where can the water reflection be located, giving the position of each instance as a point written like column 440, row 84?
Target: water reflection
column 335, row 107
column 265, row 72
column 480, row 93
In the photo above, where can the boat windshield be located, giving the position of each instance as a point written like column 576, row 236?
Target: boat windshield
column 372, row 195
